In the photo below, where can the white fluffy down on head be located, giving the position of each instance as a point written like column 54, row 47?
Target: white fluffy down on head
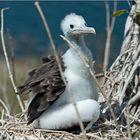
column 72, row 19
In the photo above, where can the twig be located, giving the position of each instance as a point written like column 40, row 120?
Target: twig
column 12, row 51
column 134, row 98
column 2, row 117
column 5, row 107
column 109, row 30
column 94, row 136
column 7, row 60
column 128, row 80
column 129, row 4
column 113, row 18
column 99, row 75
column 119, row 58
column 58, row 62
column 128, row 122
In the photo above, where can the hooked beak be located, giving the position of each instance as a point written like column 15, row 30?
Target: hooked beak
column 84, row 30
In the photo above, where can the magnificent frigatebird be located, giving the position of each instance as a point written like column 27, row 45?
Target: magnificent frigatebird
column 50, row 106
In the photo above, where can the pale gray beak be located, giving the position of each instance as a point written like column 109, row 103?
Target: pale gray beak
column 83, row 30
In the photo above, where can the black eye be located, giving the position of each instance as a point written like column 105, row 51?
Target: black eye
column 71, row 26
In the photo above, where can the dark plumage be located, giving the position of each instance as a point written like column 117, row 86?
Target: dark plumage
column 47, row 85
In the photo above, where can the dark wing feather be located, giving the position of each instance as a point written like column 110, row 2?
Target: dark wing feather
column 46, row 83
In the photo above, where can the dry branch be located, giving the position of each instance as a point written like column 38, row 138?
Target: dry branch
column 110, row 22
column 7, row 60
column 5, row 106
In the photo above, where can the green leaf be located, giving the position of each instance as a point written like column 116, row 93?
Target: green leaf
column 120, row 12
column 138, row 13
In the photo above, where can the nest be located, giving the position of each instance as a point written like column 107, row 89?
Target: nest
column 15, row 127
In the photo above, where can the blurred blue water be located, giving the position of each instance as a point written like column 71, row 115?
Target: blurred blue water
column 24, row 24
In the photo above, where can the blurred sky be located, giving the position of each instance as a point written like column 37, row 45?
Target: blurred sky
column 23, row 24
